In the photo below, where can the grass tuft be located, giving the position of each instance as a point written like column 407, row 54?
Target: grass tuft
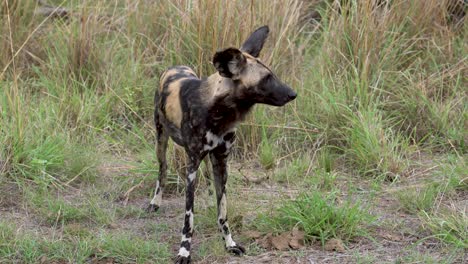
column 448, row 226
column 415, row 200
column 321, row 217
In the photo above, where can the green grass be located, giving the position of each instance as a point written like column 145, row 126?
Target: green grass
column 453, row 172
column 292, row 173
column 414, row 200
column 205, row 220
column 267, row 153
column 372, row 148
column 93, row 82
column 212, row 247
column 320, row 216
column 326, row 159
column 16, row 246
column 380, row 92
column 58, row 210
column 448, row 226
column 21, row 247
column 323, row 180
column 125, row 248
column 448, row 180
column 417, row 257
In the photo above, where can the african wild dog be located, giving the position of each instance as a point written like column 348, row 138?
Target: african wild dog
column 201, row 115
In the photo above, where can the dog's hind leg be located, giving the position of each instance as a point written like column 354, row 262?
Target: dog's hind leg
column 207, row 172
column 161, row 149
column 184, row 251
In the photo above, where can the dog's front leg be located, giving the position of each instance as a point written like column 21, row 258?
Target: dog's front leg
column 219, row 162
column 187, row 231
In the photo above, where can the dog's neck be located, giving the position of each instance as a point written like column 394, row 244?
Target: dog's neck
column 225, row 103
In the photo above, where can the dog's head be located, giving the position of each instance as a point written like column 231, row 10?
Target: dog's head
column 254, row 80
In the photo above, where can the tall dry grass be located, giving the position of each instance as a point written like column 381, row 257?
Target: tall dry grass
column 401, row 64
column 375, row 81
column 88, row 79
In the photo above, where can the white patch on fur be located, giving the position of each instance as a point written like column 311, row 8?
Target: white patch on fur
column 183, row 252
column 217, row 140
column 228, row 146
column 223, row 207
column 157, row 198
column 229, row 241
column 214, row 139
column 192, row 176
column 223, row 215
column 184, row 238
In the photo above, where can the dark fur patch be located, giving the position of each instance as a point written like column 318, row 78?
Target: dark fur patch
column 254, row 44
column 229, row 136
column 186, row 245
column 222, row 221
column 229, row 62
column 226, row 230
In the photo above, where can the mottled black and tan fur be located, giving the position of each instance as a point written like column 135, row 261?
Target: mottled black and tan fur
column 201, row 115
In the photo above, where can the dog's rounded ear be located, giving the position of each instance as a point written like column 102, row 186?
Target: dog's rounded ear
column 229, row 62
column 254, row 44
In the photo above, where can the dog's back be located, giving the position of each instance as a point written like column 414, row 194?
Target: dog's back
column 168, row 97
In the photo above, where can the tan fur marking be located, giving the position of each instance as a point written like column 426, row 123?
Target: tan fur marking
column 217, row 86
column 253, row 73
column 173, row 110
column 166, row 75
column 181, row 69
column 248, row 56
column 188, row 70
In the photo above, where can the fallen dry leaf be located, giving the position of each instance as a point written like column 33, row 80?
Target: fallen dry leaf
column 281, row 242
column 265, row 242
column 334, row 245
column 43, row 259
column 392, row 237
column 284, row 241
column 113, row 226
column 297, row 239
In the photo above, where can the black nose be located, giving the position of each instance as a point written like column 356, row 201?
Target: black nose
column 292, row 95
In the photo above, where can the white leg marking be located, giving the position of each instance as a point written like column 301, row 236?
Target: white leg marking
column 228, row 145
column 222, row 215
column 192, row 176
column 184, row 238
column 157, row 196
column 229, row 241
column 184, row 252
column 223, row 207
